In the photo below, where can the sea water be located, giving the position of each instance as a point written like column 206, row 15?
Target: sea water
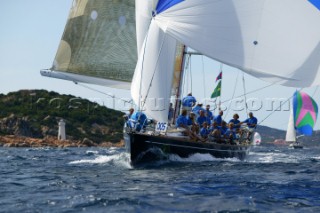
column 271, row 179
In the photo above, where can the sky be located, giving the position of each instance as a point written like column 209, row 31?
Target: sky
column 29, row 37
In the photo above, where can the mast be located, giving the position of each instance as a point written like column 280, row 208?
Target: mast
column 179, row 88
column 180, row 81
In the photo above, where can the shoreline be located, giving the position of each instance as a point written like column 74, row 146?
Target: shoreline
column 50, row 141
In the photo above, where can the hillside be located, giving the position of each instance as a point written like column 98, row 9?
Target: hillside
column 35, row 113
column 270, row 134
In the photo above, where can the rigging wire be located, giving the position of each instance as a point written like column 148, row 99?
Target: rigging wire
column 281, row 104
column 184, row 86
column 67, row 77
column 188, row 74
column 315, row 90
column 98, row 91
column 144, row 52
column 190, row 70
column 204, row 78
column 221, row 67
column 253, row 91
column 216, row 98
column 245, row 93
column 154, row 72
column 234, row 92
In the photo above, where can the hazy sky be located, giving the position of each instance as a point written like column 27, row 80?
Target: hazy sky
column 29, row 38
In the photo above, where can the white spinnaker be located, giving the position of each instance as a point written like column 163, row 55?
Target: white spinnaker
column 291, row 132
column 274, row 40
column 154, row 73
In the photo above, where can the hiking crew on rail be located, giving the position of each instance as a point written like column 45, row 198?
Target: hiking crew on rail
column 200, row 124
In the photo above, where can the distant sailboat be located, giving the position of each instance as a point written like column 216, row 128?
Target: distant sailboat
column 256, row 139
column 291, row 132
column 139, row 45
column 302, row 118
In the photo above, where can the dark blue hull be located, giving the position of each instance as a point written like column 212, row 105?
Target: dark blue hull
column 145, row 148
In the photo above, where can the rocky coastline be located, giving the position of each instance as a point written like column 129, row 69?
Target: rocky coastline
column 50, row 141
column 30, row 118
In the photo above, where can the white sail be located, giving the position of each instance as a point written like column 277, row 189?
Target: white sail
column 256, row 139
column 291, row 132
column 144, row 11
column 143, row 19
column 152, row 81
column 274, row 40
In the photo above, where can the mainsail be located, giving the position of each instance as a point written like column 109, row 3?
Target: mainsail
column 99, row 44
column 305, row 112
column 277, row 41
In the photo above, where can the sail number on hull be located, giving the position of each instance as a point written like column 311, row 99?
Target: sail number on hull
column 161, row 127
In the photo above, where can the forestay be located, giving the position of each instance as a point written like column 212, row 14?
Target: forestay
column 277, row 41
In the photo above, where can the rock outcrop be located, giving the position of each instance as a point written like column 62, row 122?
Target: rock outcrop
column 49, row 141
column 15, row 125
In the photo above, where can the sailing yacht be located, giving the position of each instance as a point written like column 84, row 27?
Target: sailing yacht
column 140, row 45
column 291, row 137
column 302, row 118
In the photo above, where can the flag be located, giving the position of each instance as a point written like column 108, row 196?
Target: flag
column 219, row 76
column 217, row 91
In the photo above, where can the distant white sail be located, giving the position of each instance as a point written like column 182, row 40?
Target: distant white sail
column 256, row 139
column 291, row 132
column 152, row 81
column 274, row 40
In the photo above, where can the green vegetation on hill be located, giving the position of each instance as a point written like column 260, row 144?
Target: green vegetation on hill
column 36, row 113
